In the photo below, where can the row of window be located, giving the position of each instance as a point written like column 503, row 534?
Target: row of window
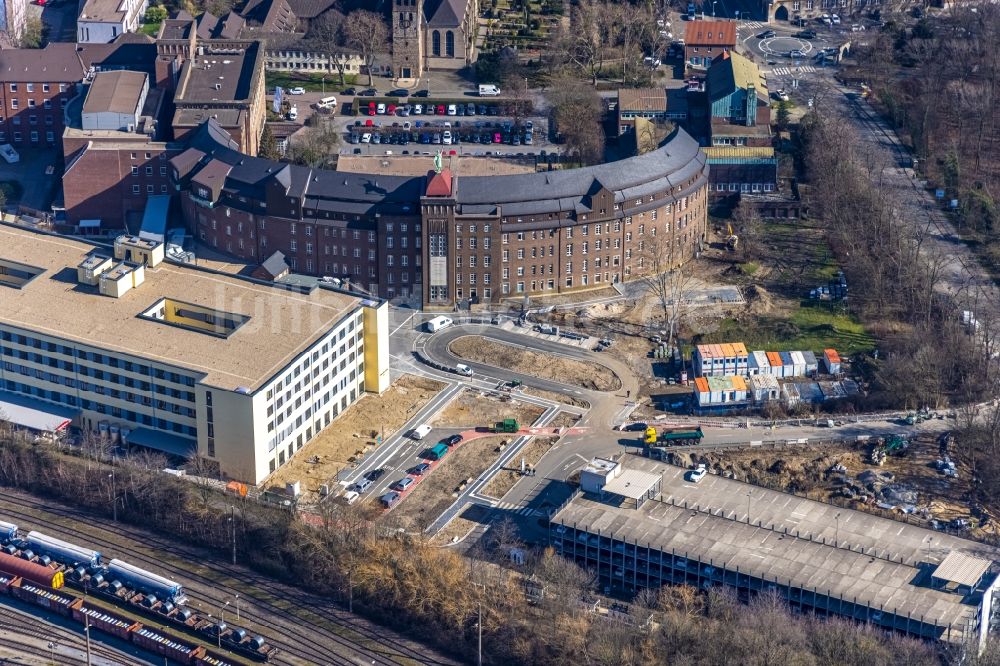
column 96, row 358
column 30, row 87
column 744, row 187
column 542, row 285
column 17, row 137
column 48, row 119
column 115, row 412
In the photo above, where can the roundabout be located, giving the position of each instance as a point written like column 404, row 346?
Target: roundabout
column 785, row 46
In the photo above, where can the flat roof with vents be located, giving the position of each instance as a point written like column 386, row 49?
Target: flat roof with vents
column 281, row 323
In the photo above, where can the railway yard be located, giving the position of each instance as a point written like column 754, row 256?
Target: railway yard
column 302, row 628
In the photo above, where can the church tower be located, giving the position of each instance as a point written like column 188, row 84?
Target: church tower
column 407, row 38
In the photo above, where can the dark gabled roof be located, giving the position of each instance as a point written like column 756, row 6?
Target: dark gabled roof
column 128, row 51
column 270, row 15
column 275, row 265
column 227, row 26
column 186, row 161
column 308, row 9
column 445, row 13
column 666, row 162
column 57, row 62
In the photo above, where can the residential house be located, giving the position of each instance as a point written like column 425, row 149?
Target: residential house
column 657, row 104
column 101, row 21
column 706, row 40
column 35, row 86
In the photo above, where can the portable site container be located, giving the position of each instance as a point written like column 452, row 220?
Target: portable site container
column 831, row 361
column 787, row 367
column 798, row 364
column 758, row 364
column 774, row 358
column 811, row 365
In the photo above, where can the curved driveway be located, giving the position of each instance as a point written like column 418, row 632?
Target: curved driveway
column 606, row 407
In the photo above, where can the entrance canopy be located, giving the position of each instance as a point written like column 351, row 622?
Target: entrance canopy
column 27, row 412
column 163, row 442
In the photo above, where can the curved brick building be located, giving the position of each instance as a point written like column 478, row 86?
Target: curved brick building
column 449, row 238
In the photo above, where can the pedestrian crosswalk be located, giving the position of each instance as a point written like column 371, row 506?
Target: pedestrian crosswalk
column 519, row 510
column 752, row 25
column 786, row 71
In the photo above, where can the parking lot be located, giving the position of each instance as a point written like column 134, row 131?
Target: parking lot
column 468, row 126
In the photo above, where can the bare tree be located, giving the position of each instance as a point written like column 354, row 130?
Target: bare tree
column 367, row 32
column 328, row 35
column 576, row 111
column 667, row 279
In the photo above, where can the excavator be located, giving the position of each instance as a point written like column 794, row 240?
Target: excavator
column 733, row 240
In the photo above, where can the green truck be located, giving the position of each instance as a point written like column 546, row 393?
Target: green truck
column 507, row 425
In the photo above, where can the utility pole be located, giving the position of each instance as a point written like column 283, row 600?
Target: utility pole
column 114, row 497
column 237, row 608
column 86, row 633
column 480, row 660
column 232, row 519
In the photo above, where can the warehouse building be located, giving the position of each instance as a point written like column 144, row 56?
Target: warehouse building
column 178, row 359
column 818, row 557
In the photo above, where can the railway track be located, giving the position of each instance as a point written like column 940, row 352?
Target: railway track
column 299, row 642
column 26, row 624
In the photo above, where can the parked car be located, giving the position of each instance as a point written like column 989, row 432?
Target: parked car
column 399, row 92
column 402, row 484
column 527, row 138
column 420, row 469
column 697, row 474
column 440, row 109
column 453, row 440
column 362, row 485
column 351, row 496
column 421, row 93
column 297, row 90
column 9, row 155
column 806, row 34
column 376, row 474
column 350, row 91
column 368, row 92
column 390, row 499
column 835, row 19
column 767, row 34
column 795, row 53
column 446, row 138
column 470, row 109
column 636, row 427
column 452, row 110
column 497, row 138
column 380, row 109
column 418, row 109
column 780, row 95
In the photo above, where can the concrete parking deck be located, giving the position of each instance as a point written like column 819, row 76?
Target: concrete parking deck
column 870, row 564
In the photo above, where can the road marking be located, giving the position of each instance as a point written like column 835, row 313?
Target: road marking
column 405, row 322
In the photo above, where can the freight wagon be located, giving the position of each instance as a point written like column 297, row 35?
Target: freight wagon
column 30, row 571
column 66, row 553
column 145, row 581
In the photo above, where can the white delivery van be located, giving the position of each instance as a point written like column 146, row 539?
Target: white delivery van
column 489, row 91
column 327, row 103
column 293, row 113
column 420, row 432
column 436, row 324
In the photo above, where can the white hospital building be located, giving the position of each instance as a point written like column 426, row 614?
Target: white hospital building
column 178, row 359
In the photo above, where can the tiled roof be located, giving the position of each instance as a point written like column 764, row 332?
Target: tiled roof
column 57, row 62
column 642, row 99
column 710, row 33
column 445, row 13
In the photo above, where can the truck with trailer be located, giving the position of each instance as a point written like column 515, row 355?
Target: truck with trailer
column 655, row 441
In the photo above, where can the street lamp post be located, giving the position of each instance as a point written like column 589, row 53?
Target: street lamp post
column 114, row 497
column 837, row 518
column 714, row 2
column 237, row 608
column 749, row 492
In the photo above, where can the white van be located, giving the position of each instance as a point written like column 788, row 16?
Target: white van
column 489, row 91
column 436, row 324
column 328, row 103
column 351, row 496
column 293, row 112
column 420, row 432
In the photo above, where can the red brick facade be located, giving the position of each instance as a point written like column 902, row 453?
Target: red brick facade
column 35, row 86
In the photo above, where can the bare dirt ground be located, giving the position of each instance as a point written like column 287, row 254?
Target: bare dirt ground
column 557, row 397
column 350, row 437
column 545, row 366
column 461, row 525
column 508, row 476
column 564, row 420
column 437, row 491
column 472, row 409
column 809, row 471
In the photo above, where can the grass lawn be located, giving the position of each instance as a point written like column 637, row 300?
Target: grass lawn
column 311, row 82
column 813, row 326
column 151, row 29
